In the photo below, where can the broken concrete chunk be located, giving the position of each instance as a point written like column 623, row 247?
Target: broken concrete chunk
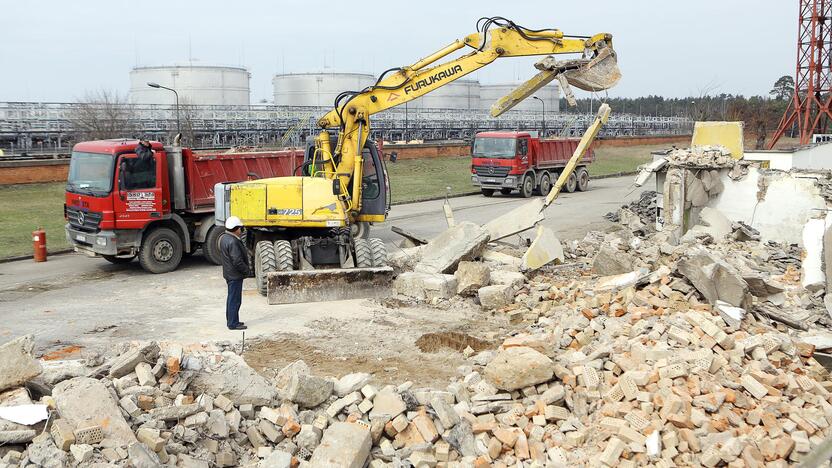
column 127, row 362
column 510, row 278
column 17, row 366
column 471, row 276
column 517, row 220
column 351, row 382
column 426, row 285
column 495, row 297
column 813, row 277
column 387, row 403
column 464, row 241
column 343, row 445
column 611, row 261
column 235, row 379
column 518, row 367
column 545, row 249
column 308, row 391
column 86, row 400
column 715, row 279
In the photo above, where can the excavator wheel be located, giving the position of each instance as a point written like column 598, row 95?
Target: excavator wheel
column 363, row 253
column 284, row 255
column 379, row 252
column 571, row 183
column 583, row 179
column 265, row 261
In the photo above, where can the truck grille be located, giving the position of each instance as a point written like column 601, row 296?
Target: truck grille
column 83, row 220
column 492, row 171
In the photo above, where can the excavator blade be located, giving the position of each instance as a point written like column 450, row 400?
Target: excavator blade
column 290, row 287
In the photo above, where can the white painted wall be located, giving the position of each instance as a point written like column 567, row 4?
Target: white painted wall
column 790, row 201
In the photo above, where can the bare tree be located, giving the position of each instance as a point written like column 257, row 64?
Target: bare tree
column 188, row 115
column 103, row 114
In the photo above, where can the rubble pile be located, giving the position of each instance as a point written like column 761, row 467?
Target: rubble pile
column 645, row 208
column 711, row 156
column 637, row 350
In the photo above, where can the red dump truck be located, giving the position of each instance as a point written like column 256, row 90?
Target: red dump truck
column 120, row 208
column 509, row 161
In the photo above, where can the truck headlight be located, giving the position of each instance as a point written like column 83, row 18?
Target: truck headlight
column 510, row 180
column 474, row 178
column 102, row 241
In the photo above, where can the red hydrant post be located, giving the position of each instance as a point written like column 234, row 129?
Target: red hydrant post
column 39, row 244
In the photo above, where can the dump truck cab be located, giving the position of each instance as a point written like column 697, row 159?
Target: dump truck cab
column 522, row 161
column 111, row 196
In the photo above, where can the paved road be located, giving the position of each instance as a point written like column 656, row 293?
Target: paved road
column 75, row 299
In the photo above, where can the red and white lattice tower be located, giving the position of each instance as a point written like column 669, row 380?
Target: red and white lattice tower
column 810, row 105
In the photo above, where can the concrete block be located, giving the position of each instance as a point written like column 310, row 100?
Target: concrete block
column 17, row 366
column 308, row 391
column 425, row 285
column 612, row 452
column 461, row 242
column 127, row 362
column 82, row 453
column 63, row 434
column 470, row 277
column 495, row 297
column 170, row 413
column 88, row 401
column 611, row 261
column 344, row 445
column 518, row 367
column 145, row 374
column 510, row 278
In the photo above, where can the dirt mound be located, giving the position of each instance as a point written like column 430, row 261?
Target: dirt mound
column 433, row 342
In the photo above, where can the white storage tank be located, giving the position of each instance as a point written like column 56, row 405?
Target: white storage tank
column 316, row 89
column 196, row 85
column 461, row 94
column 550, row 94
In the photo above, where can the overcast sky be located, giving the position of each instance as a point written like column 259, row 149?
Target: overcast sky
column 56, row 50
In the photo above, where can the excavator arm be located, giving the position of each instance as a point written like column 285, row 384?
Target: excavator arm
column 397, row 86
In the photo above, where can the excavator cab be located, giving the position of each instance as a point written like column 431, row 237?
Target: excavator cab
column 375, row 184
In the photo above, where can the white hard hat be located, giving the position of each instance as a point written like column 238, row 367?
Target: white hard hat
column 233, row 222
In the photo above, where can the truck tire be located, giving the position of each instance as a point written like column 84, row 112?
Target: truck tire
column 571, row 183
column 505, row 191
column 379, row 252
column 545, row 185
column 284, row 255
column 265, row 261
column 527, row 189
column 211, row 246
column 488, row 192
column 363, row 253
column 118, row 260
column 161, row 251
column 583, row 179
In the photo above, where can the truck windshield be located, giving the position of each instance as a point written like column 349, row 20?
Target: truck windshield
column 90, row 173
column 503, row 148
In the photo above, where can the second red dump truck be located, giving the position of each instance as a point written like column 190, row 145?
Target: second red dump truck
column 159, row 211
column 509, row 161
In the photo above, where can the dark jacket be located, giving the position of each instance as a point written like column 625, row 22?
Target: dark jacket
column 234, row 258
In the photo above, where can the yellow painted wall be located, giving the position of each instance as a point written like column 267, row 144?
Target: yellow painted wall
column 727, row 134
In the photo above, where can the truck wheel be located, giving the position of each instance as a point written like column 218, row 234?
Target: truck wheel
column 545, row 184
column 118, row 260
column 488, row 192
column 379, row 252
column 583, row 179
column 211, row 246
column 363, row 253
column 265, row 261
column 161, row 251
column 571, row 183
column 527, row 189
column 505, row 191
column 284, row 255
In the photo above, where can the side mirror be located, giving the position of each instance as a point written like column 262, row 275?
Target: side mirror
column 336, row 186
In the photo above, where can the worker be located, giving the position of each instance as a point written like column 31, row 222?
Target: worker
column 234, row 269
column 144, row 151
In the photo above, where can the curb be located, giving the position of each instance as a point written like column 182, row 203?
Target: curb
column 467, row 194
column 29, row 257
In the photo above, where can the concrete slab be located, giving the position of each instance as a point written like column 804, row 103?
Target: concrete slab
column 545, row 249
column 517, row 220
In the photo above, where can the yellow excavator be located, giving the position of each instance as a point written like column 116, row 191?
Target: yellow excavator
column 308, row 234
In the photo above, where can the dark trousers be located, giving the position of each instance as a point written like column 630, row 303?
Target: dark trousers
column 232, row 303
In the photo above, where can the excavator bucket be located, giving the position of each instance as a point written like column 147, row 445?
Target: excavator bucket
column 596, row 74
column 291, row 287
